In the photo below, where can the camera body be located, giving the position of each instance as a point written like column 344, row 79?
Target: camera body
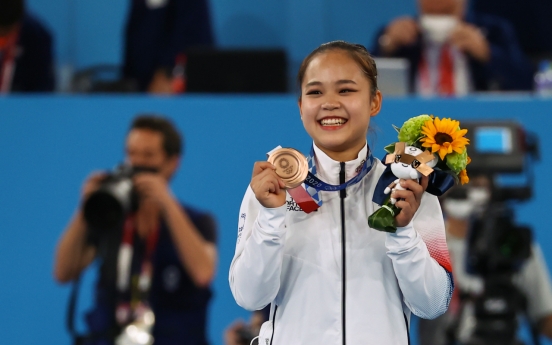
column 497, row 247
column 107, row 207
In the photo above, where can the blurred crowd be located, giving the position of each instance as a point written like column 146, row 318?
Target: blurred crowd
column 453, row 47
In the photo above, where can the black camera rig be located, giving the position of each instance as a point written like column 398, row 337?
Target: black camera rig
column 497, row 247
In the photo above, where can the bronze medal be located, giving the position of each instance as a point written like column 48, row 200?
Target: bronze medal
column 290, row 165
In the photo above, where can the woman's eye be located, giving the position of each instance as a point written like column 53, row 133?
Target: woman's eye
column 346, row 90
column 314, row 92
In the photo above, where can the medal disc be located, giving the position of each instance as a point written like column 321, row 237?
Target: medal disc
column 290, row 165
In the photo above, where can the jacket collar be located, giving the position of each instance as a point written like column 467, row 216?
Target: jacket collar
column 328, row 170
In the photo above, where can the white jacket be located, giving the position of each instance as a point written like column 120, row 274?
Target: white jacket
column 294, row 259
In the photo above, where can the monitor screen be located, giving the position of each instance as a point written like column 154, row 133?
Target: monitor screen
column 496, row 140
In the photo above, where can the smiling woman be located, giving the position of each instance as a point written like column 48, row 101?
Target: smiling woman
column 337, row 94
column 328, row 271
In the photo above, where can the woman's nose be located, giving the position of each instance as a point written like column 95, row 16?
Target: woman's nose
column 330, row 105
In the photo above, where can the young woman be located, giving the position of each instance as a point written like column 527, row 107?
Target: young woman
column 330, row 278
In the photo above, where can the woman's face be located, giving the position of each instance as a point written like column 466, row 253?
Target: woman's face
column 336, row 105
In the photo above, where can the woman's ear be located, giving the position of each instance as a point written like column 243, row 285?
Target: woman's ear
column 375, row 104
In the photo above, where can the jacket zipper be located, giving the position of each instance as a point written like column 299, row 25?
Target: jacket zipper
column 273, row 325
column 343, row 195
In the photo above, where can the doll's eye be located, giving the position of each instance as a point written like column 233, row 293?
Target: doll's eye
column 416, row 163
column 397, row 158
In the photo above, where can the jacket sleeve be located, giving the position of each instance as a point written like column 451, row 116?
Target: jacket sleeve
column 421, row 261
column 255, row 270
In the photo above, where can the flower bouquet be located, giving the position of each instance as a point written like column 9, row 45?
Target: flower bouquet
column 427, row 146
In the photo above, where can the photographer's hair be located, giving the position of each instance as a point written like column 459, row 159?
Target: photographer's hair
column 356, row 51
column 11, row 12
column 172, row 140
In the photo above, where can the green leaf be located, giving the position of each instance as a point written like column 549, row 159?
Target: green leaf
column 390, row 148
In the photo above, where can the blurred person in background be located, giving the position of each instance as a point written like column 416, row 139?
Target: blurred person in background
column 157, row 35
column 532, row 280
column 453, row 51
column 159, row 258
column 241, row 333
column 531, row 20
column 26, row 63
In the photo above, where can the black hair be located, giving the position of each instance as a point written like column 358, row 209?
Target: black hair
column 172, row 139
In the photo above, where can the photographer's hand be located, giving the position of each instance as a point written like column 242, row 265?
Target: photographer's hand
column 153, row 186
column 92, row 183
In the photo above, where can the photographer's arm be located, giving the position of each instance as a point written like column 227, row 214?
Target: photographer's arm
column 198, row 256
column 73, row 253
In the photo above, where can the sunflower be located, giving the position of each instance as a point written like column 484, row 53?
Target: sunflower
column 463, row 176
column 444, row 136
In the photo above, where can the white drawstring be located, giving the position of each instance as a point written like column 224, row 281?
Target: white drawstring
column 252, row 340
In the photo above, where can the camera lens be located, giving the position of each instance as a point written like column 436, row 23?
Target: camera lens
column 103, row 211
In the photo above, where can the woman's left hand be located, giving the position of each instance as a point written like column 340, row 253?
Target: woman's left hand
column 408, row 200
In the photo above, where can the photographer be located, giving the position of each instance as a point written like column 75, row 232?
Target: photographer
column 159, row 259
column 532, row 280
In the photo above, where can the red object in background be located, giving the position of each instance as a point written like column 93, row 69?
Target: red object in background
column 179, row 74
column 446, row 75
column 7, row 59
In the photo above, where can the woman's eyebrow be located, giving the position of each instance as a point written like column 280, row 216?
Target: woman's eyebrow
column 339, row 82
column 345, row 81
column 312, row 83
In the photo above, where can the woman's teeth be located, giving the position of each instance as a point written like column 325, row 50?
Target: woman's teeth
column 332, row 122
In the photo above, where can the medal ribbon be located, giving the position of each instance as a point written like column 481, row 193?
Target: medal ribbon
column 307, row 197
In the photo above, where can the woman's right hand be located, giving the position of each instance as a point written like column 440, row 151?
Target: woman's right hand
column 267, row 186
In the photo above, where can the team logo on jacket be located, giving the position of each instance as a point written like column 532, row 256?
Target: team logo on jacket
column 241, row 225
column 292, row 205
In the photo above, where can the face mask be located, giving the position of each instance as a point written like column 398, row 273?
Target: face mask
column 463, row 209
column 437, row 28
column 479, row 198
column 458, row 208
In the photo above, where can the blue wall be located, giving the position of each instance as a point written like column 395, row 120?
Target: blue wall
column 90, row 32
column 49, row 145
